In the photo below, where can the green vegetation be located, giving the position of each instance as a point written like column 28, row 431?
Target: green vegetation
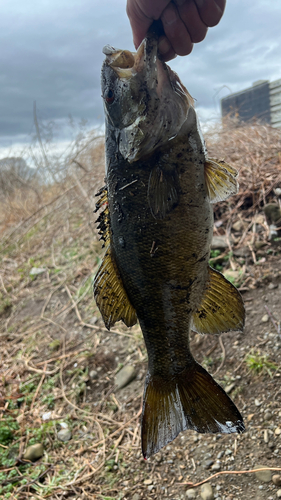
column 260, row 364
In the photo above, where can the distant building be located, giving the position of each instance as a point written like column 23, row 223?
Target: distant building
column 260, row 102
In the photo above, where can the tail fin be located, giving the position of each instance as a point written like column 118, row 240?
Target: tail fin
column 191, row 400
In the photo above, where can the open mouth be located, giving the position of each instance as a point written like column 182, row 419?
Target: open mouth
column 126, row 63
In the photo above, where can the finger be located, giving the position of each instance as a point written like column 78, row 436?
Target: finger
column 210, row 11
column 166, row 50
column 190, row 16
column 141, row 14
column 176, row 31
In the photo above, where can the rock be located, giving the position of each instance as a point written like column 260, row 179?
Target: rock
column 64, row 435
column 278, row 494
column 37, row 270
column 276, row 479
column 93, row 374
column 277, row 431
column 272, row 286
column 33, row 452
column 207, row 463
column 265, row 318
column 267, row 415
column 265, row 436
column 207, row 492
column 271, row 445
column 147, row 482
column 260, row 244
column 257, row 402
column 64, row 425
column 219, row 243
column 190, row 493
column 216, row 467
column 47, row 415
column 228, row 451
column 136, row 496
column 229, row 387
column 125, row 376
column 263, row 475
column 239, row 225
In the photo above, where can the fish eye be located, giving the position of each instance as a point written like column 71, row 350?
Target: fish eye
column 109, row 97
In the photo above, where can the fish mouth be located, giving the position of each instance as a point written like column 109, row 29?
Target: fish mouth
column 127, row 64
column 155, row 102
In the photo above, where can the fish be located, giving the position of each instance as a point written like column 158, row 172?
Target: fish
column 156, row 223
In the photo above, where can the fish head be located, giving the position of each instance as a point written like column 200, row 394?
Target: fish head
column 144, row 99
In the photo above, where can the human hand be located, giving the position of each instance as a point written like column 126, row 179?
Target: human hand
column 185, row 22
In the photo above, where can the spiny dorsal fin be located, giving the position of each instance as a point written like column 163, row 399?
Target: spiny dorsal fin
column 103, row 219
column 109, row 292
column 220, row 180
column 222, row 308
column 163, row 192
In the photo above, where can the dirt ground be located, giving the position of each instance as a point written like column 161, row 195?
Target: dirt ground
column 253, row 383
column 255, row 389
column 59, row 364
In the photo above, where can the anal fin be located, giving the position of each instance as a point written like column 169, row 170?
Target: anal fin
column 222, row 308
column 190, row 400
column 110, row 295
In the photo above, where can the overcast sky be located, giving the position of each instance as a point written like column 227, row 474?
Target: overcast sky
column 51, row 53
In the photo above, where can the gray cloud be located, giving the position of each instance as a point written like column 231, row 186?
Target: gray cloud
column 51, row 54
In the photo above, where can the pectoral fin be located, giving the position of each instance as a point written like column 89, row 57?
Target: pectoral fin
column 222, row 307
column 220, row 180
column 110, row 295
column 163, row 192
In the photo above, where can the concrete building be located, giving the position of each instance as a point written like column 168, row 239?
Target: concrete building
column 260, row 102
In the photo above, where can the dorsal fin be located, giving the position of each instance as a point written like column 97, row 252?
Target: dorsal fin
column 103, row 218
column 110, row 295
column 222, row 307
column 220, row 180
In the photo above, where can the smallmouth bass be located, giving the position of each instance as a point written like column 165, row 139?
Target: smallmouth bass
column 157, row 228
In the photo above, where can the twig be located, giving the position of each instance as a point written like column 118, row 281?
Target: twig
column 195, row 485
column 38, row 387
column 223, row 356
column 3, row 286
column 35, row 370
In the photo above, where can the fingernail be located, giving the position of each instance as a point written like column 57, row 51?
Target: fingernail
column 164, row 46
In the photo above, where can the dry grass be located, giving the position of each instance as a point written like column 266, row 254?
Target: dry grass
column 52, row 335
column 255, row 151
